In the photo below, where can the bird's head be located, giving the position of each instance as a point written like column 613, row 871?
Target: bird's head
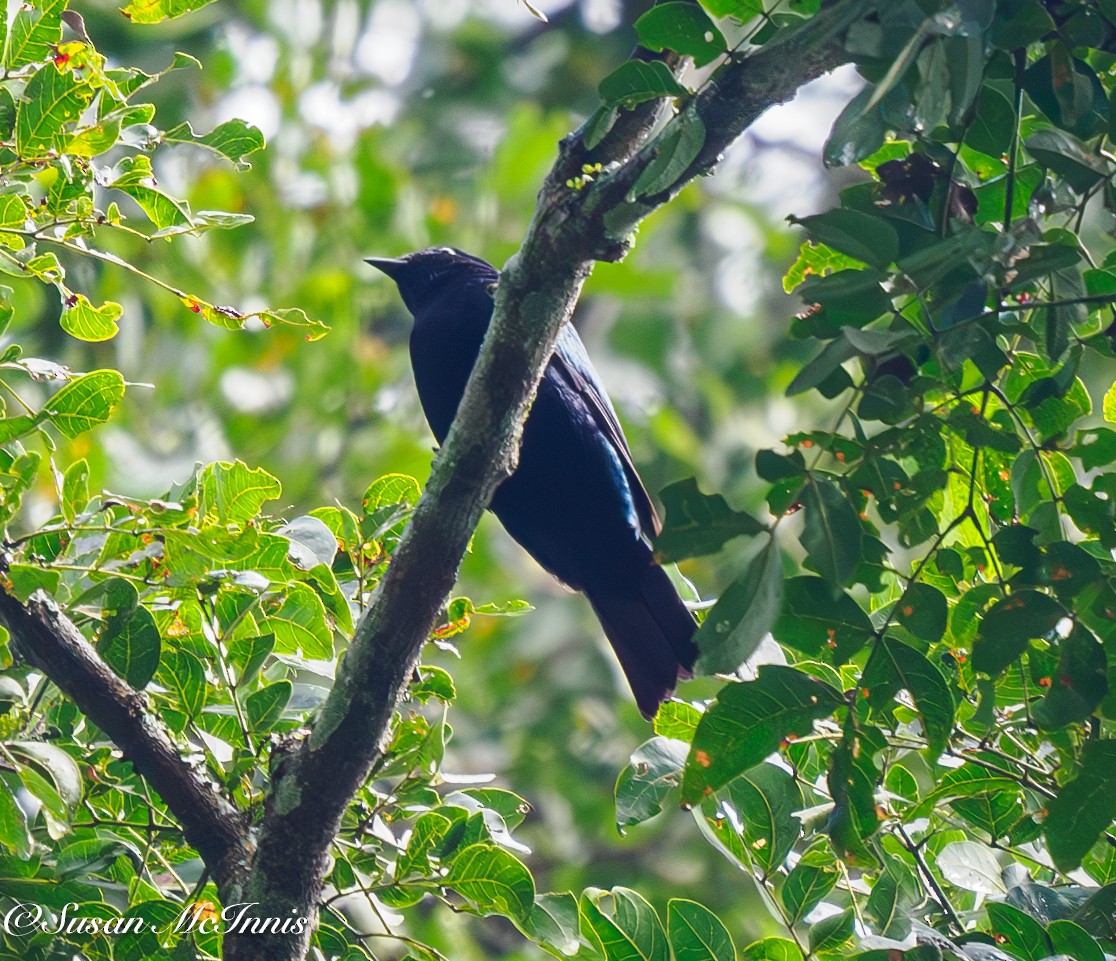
column 425, row 275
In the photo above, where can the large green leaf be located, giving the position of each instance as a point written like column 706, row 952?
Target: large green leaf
column 743, row 614
column 493, row 880
column 696, row 933
column 866, row 237
column 129, row 640
column 811, row 879
column 698, row 523
column 297, row 618
column 748, row 721
column 893, row 667
column 233, row 140
column 634, row 82
column 53, row 98
column 1009, row 624
column 832, row 531
column 818, row 618
column 36, row 29
column 653, row 772
column 84, row 402
column 1085, row 806
column 684, row 28
column 234, row 493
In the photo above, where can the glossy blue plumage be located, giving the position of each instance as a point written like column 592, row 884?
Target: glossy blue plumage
column 575, row 502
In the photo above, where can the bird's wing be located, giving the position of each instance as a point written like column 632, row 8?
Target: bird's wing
column 571, row 363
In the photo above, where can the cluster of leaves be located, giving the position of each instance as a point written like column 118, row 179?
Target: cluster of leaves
column 934, row 727
column 73, row 129
column 227, row 619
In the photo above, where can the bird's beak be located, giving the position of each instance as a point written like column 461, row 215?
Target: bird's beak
column 388, row 265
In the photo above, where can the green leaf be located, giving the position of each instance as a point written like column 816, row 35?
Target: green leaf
column 83, row 403
column 297, row 618
column 771, row 949
column 135, row 178
column 635, row 82
column 636, row 918
column 612, row 941
column 82, row 320
column 233, row 140
column 857, row 133
column 748, row 721
column 827, row 364
column 809, row 881
column 1079, row 684
column 696, row 933
column 992, row 128
column 62, row 769
column 742, row 10
column 248, row 654
column 993, row 803
column 1085, row 806
column 129, row 641
column 832, row 532
column 233, row 493
column 75, row 489
column 817, row 617
column 684, row 28
column 13, row 215
column 181, row 672
column 743, row 614
column 1069, row 938
column 852, row 785
column 772, row 466
column 652, row 773
column 433, row 682
column 868, row 238
column 817, row 262
column 387, row 504
column 893, row 667
column 553, row 922
column 156, row 11
column 971, row 866
column 678, row 148
column 52, row 99
column 1067, row 157
column 832, row 932
column 1098, row 914
column 895, row 896
column 265, row 707
column 1009, row 624
column 767, row 800
column 677, row 720
column 1020, row 933
column 1109, row 405
column 492, row 880
column 923, row 612
column 36, row 29
column 28, row 578
column 1019, row 23
column 697, row 523
column 14, row 833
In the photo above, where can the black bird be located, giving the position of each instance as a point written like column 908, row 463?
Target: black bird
column 575, row 502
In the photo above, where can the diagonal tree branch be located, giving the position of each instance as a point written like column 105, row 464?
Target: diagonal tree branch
column 314, row 780
column 50, row 641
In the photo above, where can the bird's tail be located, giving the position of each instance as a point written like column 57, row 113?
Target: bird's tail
column 651, row 631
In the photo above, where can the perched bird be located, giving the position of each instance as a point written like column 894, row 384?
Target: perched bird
column 575, row 502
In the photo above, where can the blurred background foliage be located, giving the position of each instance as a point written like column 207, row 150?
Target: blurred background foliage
column 394, row 125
